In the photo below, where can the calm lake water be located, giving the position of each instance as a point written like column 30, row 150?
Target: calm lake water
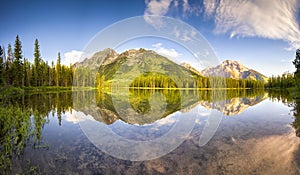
column 257, row 133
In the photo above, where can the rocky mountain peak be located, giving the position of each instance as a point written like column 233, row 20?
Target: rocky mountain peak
column 228, row 68
column 133, row 52
column 105, row 56
column 235, row 70
column 191, row 68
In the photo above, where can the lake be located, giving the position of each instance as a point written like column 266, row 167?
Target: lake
column 98, row 132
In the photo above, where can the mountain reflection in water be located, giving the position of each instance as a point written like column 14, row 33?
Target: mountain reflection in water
column 143, row 101
column 258, row 138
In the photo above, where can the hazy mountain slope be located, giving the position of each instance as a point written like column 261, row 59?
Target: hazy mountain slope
column 129, row 64
column 233, row 106
column 132, row 63
column 105, row 56
column 191, row 68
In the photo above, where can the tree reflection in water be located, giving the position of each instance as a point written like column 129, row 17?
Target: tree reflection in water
column 21, row 123
column 22, row 118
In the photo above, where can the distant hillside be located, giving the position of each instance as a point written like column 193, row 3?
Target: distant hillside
column 147, row 69
column 233, row 106
column 191, row 68
column 105, row 56
column 131, row 64
column 235, row 70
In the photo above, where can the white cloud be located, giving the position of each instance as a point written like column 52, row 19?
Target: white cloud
column 155, row 7
column 77, row 117
column 71, row 57
column 170, row 53
column 166, row 121
column 162, row 7
column 186, row 5
column 273, row 19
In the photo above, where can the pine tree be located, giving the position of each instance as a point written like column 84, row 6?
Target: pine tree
column 37, row 60
column 47, row 74
column 18, row 71
column 10, row 56
column 26, row 70
column 58, row 70
column 296, row 63
column 70, row 75
column 1, row 66
column 52, row 74
column 17, row 64
column 8, row 74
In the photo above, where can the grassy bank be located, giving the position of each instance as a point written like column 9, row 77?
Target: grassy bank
column 10, row 91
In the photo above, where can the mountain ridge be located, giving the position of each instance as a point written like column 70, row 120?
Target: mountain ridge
column 228, row 68
column 235, row 70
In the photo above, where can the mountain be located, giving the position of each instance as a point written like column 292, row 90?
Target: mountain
column 234, row 106
column 191, row 68
column 146, row 68
column 133, row 64
column 235, row 70
column 105, row 56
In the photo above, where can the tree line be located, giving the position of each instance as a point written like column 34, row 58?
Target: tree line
column 16, row 70
column 287, row 80
column 158, row 80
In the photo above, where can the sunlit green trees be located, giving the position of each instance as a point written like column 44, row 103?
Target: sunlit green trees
column 286, row 80
column 15, row 70
column 84, row 76
column 153, row 80
column 1, row 66
column 296, row 63
column 37, row 65
column 58, row 70
column 156, row 80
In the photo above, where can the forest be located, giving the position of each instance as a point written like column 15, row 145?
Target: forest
column 17, row 71
column 158, row 80
column 287, row 80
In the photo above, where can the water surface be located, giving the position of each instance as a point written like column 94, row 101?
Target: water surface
column 257, row 133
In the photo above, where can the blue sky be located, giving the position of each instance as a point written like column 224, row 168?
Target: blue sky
column 261, row 34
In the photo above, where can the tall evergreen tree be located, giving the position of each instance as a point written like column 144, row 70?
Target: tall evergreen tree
column 10, row 55
column 17, row 64
column 8, row 75
column 26, row 72
column 58, row 70
column 296, row 63
column 1, row 66
column 4, row 55
column 52, row 74
column 37, row 60
column 70, row 76
column 18, row 71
